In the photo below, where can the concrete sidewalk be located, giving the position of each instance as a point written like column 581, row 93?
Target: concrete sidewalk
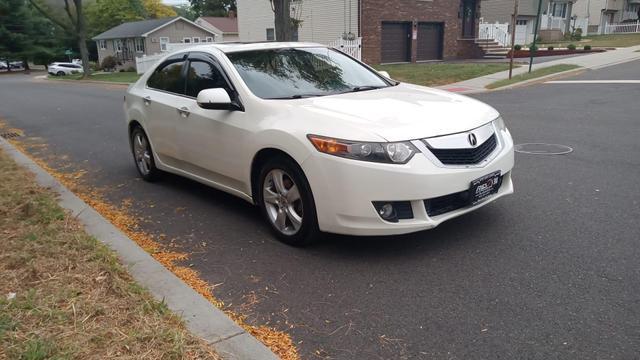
column 590, row 61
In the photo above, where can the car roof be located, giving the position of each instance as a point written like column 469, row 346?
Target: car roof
column 229, row 47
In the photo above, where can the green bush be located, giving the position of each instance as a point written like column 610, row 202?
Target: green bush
column 131, row 69
column 587, row 47
column 517, row 47
column 533, row 47
column 577, row 34
column 571, row 47
column 109, row 63
column 550, row 48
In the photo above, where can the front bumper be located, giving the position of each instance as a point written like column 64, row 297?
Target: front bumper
column 344, row 190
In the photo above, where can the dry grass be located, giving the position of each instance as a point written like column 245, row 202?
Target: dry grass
column 73, row 300
column 123, row 218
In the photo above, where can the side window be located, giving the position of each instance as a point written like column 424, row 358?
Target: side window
column 168, row 77
column 203, row 75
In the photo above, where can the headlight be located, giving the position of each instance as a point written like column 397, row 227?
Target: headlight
column 393, row 153
column 499, row 122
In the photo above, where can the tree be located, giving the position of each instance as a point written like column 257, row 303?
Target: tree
column 25, row 34
column 186, row 11
column 155, row 9
column 74, row 24
column 282, row 19
column 213, row 7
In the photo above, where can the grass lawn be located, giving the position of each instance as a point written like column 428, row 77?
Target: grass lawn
column 534, row 74
column 434, row 74
column 116, row 77
column 64, row 295
column 618, row 40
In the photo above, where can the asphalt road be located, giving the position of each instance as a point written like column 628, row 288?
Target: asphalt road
column 552, row 272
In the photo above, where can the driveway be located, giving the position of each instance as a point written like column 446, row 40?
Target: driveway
column 550, row 272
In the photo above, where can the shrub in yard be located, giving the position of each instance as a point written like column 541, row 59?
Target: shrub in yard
column 131, row 69
column 108, row 63
column 533, row 47
column 550, row 48
column 517, row 47
column 571, row 47
column 587, row 47
column 577, row 34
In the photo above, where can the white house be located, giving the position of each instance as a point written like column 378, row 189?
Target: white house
column 322, row 21
column 601, row 12
column 225, row 28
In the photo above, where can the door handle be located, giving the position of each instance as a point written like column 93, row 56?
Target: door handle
column 183, row 111
column 147, row 100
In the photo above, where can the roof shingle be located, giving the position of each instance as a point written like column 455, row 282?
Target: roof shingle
column 132, row 29
column 224, row 24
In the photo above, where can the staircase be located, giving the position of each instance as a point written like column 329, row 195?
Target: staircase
column 492, row 49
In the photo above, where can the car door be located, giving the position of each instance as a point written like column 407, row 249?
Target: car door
column 163, row 99
column 212, row 140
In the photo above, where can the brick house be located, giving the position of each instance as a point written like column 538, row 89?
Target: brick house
column 391, row 30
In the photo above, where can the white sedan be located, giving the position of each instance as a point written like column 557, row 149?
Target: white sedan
column 318, row 140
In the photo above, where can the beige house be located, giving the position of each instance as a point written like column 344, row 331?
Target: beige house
column 225, row 28
column 130, row 40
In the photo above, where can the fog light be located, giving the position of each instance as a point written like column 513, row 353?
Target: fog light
column 386, row 211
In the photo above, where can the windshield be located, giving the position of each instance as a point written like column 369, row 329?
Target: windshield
column 302, row 72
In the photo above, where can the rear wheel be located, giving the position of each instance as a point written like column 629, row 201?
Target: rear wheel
column 286, row 202
column 143, row 155
column 60, row 73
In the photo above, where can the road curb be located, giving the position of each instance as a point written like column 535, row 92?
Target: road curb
column 202, row 318
column 536, row 80
column 69, row 81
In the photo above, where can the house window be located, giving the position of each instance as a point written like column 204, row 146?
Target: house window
column 196, row 40
column 186, row 40
column 163, row 43
column 271, row 34
column 102, row 44
column 117, row 44
column 559, row 10
column 209, row 39
column 521, row 22
column 139, row 44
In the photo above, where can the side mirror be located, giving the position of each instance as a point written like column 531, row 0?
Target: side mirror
column 215, row 99
column 385, row 74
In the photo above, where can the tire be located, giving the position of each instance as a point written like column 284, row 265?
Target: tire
column 277, row 200
column 143, row 155
column 60, row 73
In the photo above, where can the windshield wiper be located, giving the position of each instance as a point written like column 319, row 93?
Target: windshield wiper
column 365, row 88
column 296, row 96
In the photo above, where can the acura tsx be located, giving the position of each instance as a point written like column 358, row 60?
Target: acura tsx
column 317, row 139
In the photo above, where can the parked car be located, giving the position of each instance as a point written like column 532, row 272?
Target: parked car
column 64, row 68
column 3, row 65
column 319, row 141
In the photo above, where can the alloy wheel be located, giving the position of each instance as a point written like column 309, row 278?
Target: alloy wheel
column 282, row 201
column 142, row 153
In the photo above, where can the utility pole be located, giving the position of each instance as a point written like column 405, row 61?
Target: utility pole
column 535, row 35
column 514, row 26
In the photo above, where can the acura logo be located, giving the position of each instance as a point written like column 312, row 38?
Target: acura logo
column 472, row 139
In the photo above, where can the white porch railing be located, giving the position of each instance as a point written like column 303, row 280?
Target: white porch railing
column 352, row 48
column 496, row 31
column 626, row 28
column 552, row 22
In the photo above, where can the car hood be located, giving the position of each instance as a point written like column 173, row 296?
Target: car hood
column 403, row 112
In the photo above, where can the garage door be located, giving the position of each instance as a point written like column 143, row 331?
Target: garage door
column 429, row 41
column 396, row 39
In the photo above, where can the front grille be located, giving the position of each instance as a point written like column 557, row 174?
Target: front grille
column 444, row 204
column 466, row 156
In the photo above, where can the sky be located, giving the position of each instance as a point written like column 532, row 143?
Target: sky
column 175, row 2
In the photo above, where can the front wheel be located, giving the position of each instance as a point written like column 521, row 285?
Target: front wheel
column 286, row 201
column 60, row 73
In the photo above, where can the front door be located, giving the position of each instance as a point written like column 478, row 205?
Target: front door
column 468, row 18
column 211, row 139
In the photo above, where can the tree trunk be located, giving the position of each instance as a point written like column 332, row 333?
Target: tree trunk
column 81, row 28
column 25, row 65
column 282, row 10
